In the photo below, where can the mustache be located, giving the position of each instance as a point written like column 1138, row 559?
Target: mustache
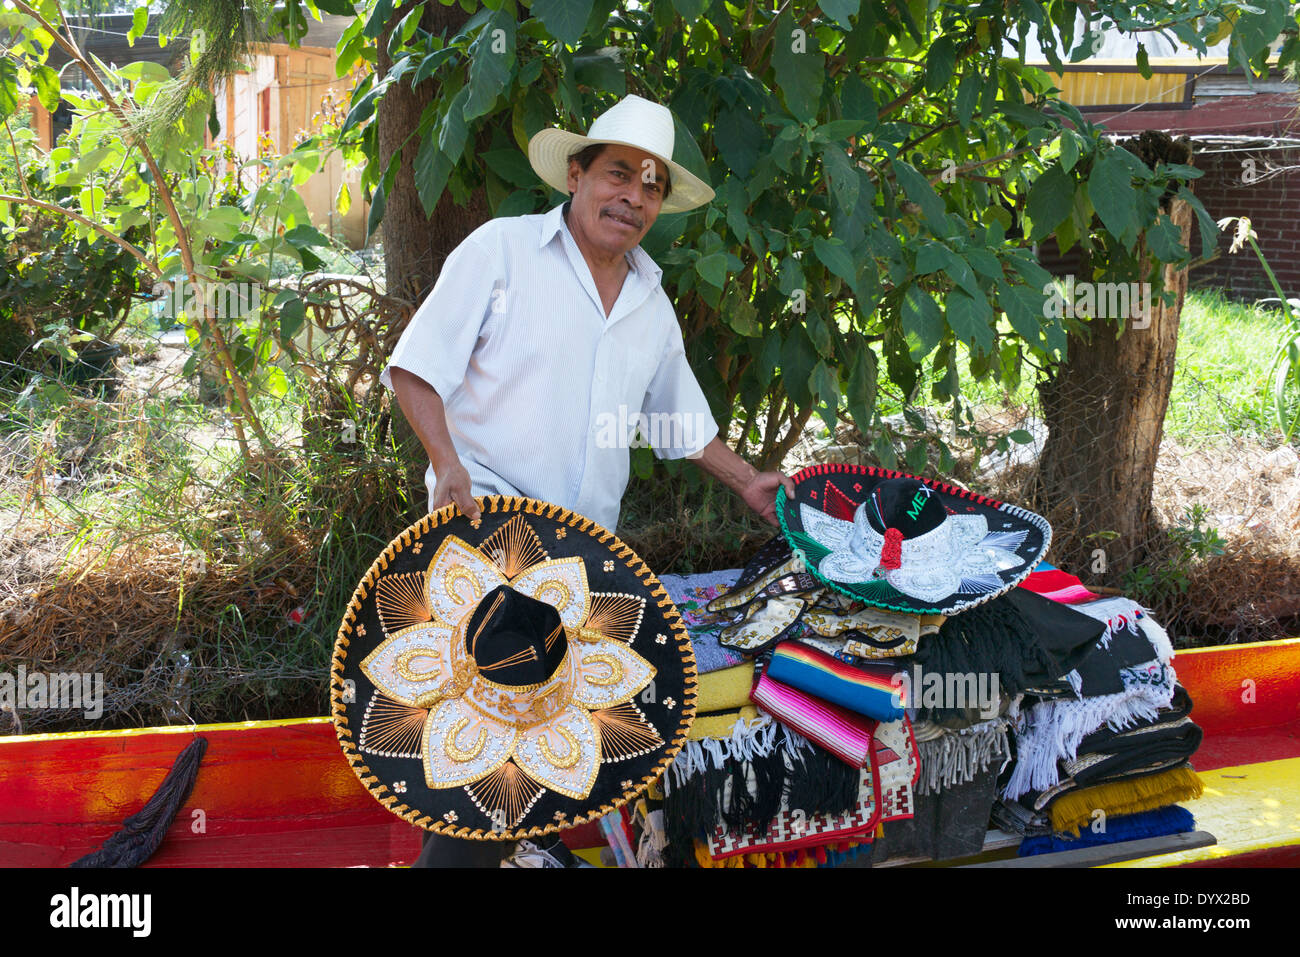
column 616, row 213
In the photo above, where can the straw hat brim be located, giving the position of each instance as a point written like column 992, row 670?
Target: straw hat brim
column 549, row 151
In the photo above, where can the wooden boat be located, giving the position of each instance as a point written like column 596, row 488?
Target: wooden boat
column 279, row 794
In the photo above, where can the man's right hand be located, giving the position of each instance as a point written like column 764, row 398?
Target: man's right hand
column 454, row 486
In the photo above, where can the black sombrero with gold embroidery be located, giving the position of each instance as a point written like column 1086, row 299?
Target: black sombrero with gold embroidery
column 510, row 680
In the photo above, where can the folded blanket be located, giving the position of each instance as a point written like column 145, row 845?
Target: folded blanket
column 872, row 688
column 842, row 732
column 725, row 689
column 1160, row 822
column 691, row 594
column 953, row 757
column 1164, row 741
column 1023, row 638
column 1050, row 732
column 1077, row 809
column 1057, row 585
column 740, row 784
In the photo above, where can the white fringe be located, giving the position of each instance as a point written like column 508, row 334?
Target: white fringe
column 650, row 849
column 1158, row 637
column 957, row 756
column 1053, row 729
column 747, row 740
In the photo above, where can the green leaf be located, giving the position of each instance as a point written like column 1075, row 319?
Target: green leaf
column 690, row 10
column 452, row 131
column 1024, row 308
column 918, row 190
column 139, row 21
column 840, row 11
column 377, row 208
column 293, row 316
column 797, row 360
column 512, row 166
column 563, row 19
column 860, row 396
column 713, row 268
column 8, row 87
column 917, row 457
column 738, row 138
column 1110, row 189
column 1165, row 240
column 1069, row 149
column 842, row 175
column 602, row 70
column 967, row 95
column 1204, row 222
column 970, row 320
column 1050, row 200
column 1143, row 62
column 519, row 203
column 922, row 322
column 743, row 317
column 939, row 62
column 379, row 16
column 856, row 101
column 493, row 59
column 46, row 81
column 826, row 390
column 834, row 255
column 800, row 67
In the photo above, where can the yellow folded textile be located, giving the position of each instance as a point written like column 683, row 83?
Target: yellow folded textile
column 1075, row 809
column 720, row 725
column 725, row 690
column 930, row 624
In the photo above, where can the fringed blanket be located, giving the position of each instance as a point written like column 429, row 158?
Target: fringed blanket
column 1050, row 731
column 950, row 758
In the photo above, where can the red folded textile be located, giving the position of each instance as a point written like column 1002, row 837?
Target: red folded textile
column 1059, row 586
column 844, row 733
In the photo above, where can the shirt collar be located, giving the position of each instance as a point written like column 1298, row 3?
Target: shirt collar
column 553, row 223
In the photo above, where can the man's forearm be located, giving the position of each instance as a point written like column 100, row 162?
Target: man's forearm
column 424, row 410
column 726, row 466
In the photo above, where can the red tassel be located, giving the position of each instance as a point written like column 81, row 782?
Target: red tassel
column 891, row 555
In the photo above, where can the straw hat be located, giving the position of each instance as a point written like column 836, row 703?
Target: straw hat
column 633, row 121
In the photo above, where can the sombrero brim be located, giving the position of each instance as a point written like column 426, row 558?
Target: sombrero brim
column 392, row 744
column 549, row 151
column 837, row 489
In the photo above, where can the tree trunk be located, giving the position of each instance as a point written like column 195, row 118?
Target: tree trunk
column 416, row 244
column 1105, row 411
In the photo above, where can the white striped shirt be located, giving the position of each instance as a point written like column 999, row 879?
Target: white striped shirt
column 542, row 391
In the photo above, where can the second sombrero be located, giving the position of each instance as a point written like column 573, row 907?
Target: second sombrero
column 909, row 544
column 510, row 680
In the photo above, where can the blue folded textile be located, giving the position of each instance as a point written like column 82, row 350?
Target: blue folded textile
column 1161, row 822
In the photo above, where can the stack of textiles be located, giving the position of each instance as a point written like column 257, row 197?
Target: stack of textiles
column 1093, row 758
column 838, row 657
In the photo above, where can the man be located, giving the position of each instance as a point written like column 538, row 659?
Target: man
column 548, row 338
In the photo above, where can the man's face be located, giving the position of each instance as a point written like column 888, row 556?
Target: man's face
column 617, row 198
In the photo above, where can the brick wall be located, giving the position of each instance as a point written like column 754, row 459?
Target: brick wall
column 1273, row 206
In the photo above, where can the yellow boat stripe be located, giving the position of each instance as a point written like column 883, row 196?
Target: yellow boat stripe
column 1250, row 807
